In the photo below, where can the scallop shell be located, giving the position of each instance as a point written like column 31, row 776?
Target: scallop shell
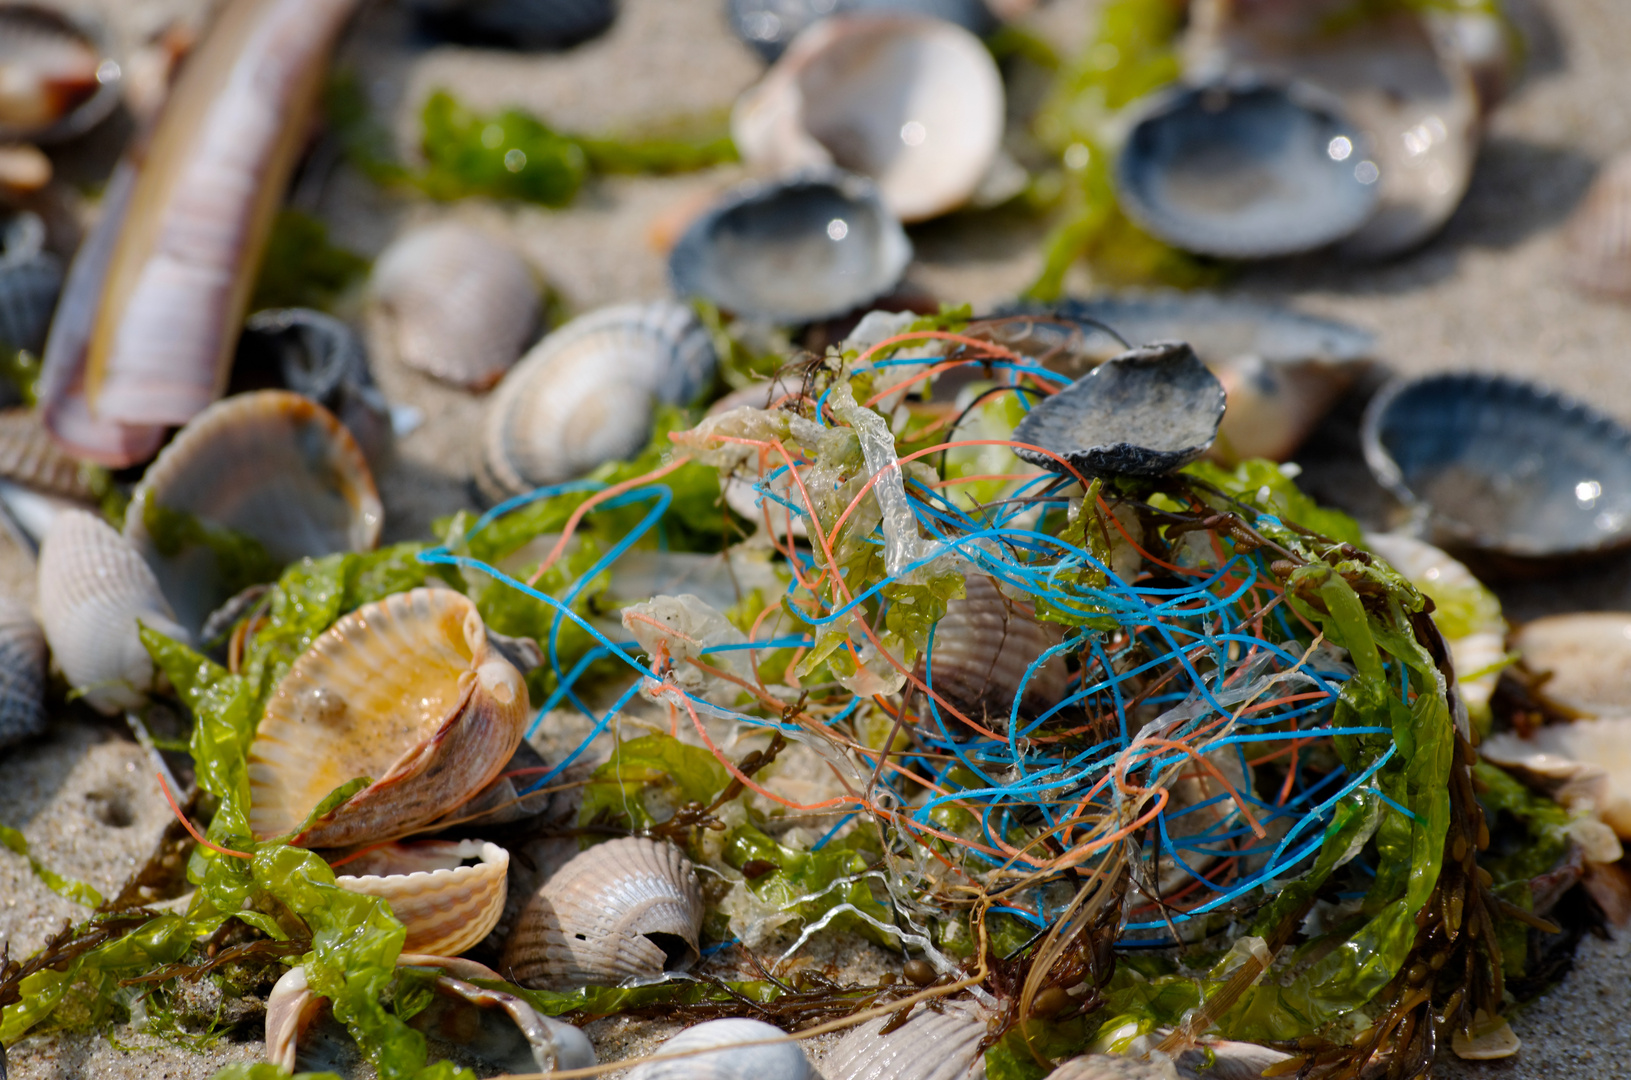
column 931, row 1045
column 54, row 81
column 28, row 456
column 783, row 1060
column 456, row 303
column 405, row 691
column 1587, row 764
column 22, row 672
column 30, row 279
column 809, row 247
column 271, row 466
column 1597, row 238
column 626, row 909
column 584, row 395
column 93, row 587
column 1586, row 657
column 982, row 648
column 914, row 104
column 446, row 906
column 769, row 25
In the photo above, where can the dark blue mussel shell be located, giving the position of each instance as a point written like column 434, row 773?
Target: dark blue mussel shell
column 1246, row 170
column 769, row 25
column 30, row 279
column 1502, row 466
column 792, row 251
column 1146, row 412
column 526, row 24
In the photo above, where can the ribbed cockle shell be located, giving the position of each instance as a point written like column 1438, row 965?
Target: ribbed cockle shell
column 783, row 1060
column 446, row 906
column 982, row 648
column 405, row 691
column 31, row 458
column 22, row 672
column 628, row 908
column 929, row 1046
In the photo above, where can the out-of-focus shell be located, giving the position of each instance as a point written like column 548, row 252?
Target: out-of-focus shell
column 1586, row 658
column 585, row 394
column 405, row 691
column 779, row 1061
column 1597, row 239
column 809, row 247
column 1586, row 764
column 456, row 303
column 30, row 279
column 31, row 458
column 55, row 79
column 770, row 25
column 93, row 587
column 1200, row 815
column 446, row 906
column 525, row 24
column 1227, row 1059
column 1489, row 1039
column 982, row 649
column 1114, row 1067
column 628, row 908
column 22, row 672
column 270, row 466
column 929, row 1046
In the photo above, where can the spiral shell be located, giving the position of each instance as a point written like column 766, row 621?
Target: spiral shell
column 628, row 908
column 457, row 304
column 405, row 691
column 270, row 466
column 22, row 672
column 93, row 587
column 584, row 395
column 929, row 1046
column 1597, row 239
column 31, row 458
column 779, row 1061
column 982, row 648
column 447, row 907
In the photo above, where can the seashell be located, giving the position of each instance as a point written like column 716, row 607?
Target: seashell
column 446, row 906
column 24, row 170
column 55, row 80
column 584, row 395
column 626, row 909
column 1487, row 1039
column 93, row 587
column 770, row 25
column 1245, row 169
column 30, row 279
column 1227, row 1059
column 798, row 250
column 524, row 24
column 1586, row 764
column 22, row 672
column 457, row 304
column 321, row 357
column 501, row 801
column 1586, row 658
column 783, row 1060
column 1597, row 238
column 1500, row 465
column 1115, row 1067
column 29, row 457
column 1201, row 815
column 914, row 104
column 405, row 691
column 946, row 1045
column 983, row 647
column 269, row 467
column 1149, row 411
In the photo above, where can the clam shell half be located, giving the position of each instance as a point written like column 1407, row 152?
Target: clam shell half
column 22, row 672
column 405, row 691
column 730, row 1061
column 446, row 906
column 929, row 1046
column 1597, row 239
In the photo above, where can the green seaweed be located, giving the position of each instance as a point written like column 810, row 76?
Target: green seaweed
column 240, row 559
column 510, row 154
column 1270, row 489
column 301, row 267
column 66, row 887
column 649, row 778
column 812, row 884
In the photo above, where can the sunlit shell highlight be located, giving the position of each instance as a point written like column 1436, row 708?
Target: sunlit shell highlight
column 446, row 906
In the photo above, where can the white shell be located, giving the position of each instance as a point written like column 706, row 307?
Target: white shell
column 1489, row 1040
column 1597, row 238
column 584, row 395
column 22, row 672
column 1586, row 657
column 457, row 303
column 271, row 465
column 628, row 908
column 783, row 1060
column 447, row 907
column 1588, row 762
column 929, row 1046
column 93, row 587
column 1114, row 1067
column 915, row 104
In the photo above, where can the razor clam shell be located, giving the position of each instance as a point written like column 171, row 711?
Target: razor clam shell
column 30, row 279
column 446, row 907
column 22, row 672
column 982, row 648
column 93, row 587
column 405, row 691
column 931, row 1045
column 1597, row 238
column 31, row 458
column 60, row 50
column 272, row 466
column 457, row 304
column 596, row 920
column 779, row 1061
column 1587, row 656
column 584, row 395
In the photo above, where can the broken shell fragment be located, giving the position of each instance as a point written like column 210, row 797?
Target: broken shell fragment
column 625, row 909
column 782, row 1060
column 93, row 589
column 22, row 672
column 445, row 905
column 1585, row 657
column 405, row 691
column 30, row 457
column 1488, row 1039
column 983, row 652
column 945, row 1045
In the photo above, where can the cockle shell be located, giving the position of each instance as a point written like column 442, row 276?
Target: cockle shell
column 446, row 906
column 93, row 587
column 783, row 1060
column 913, row 103
column 405, row 691
column 931, row 1045
column 29, row 457
column 54, row 80
column 22, row 672
column 1586, row 764
column 1597, row 238
column 1586, row 658
column 585, row 394
column 628, row 908
column 1114, row 1067
column 1200, row 815
column 456, row 303
column 769, row 25
column 272, row 466
column 982, row 648
column 30, row 279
